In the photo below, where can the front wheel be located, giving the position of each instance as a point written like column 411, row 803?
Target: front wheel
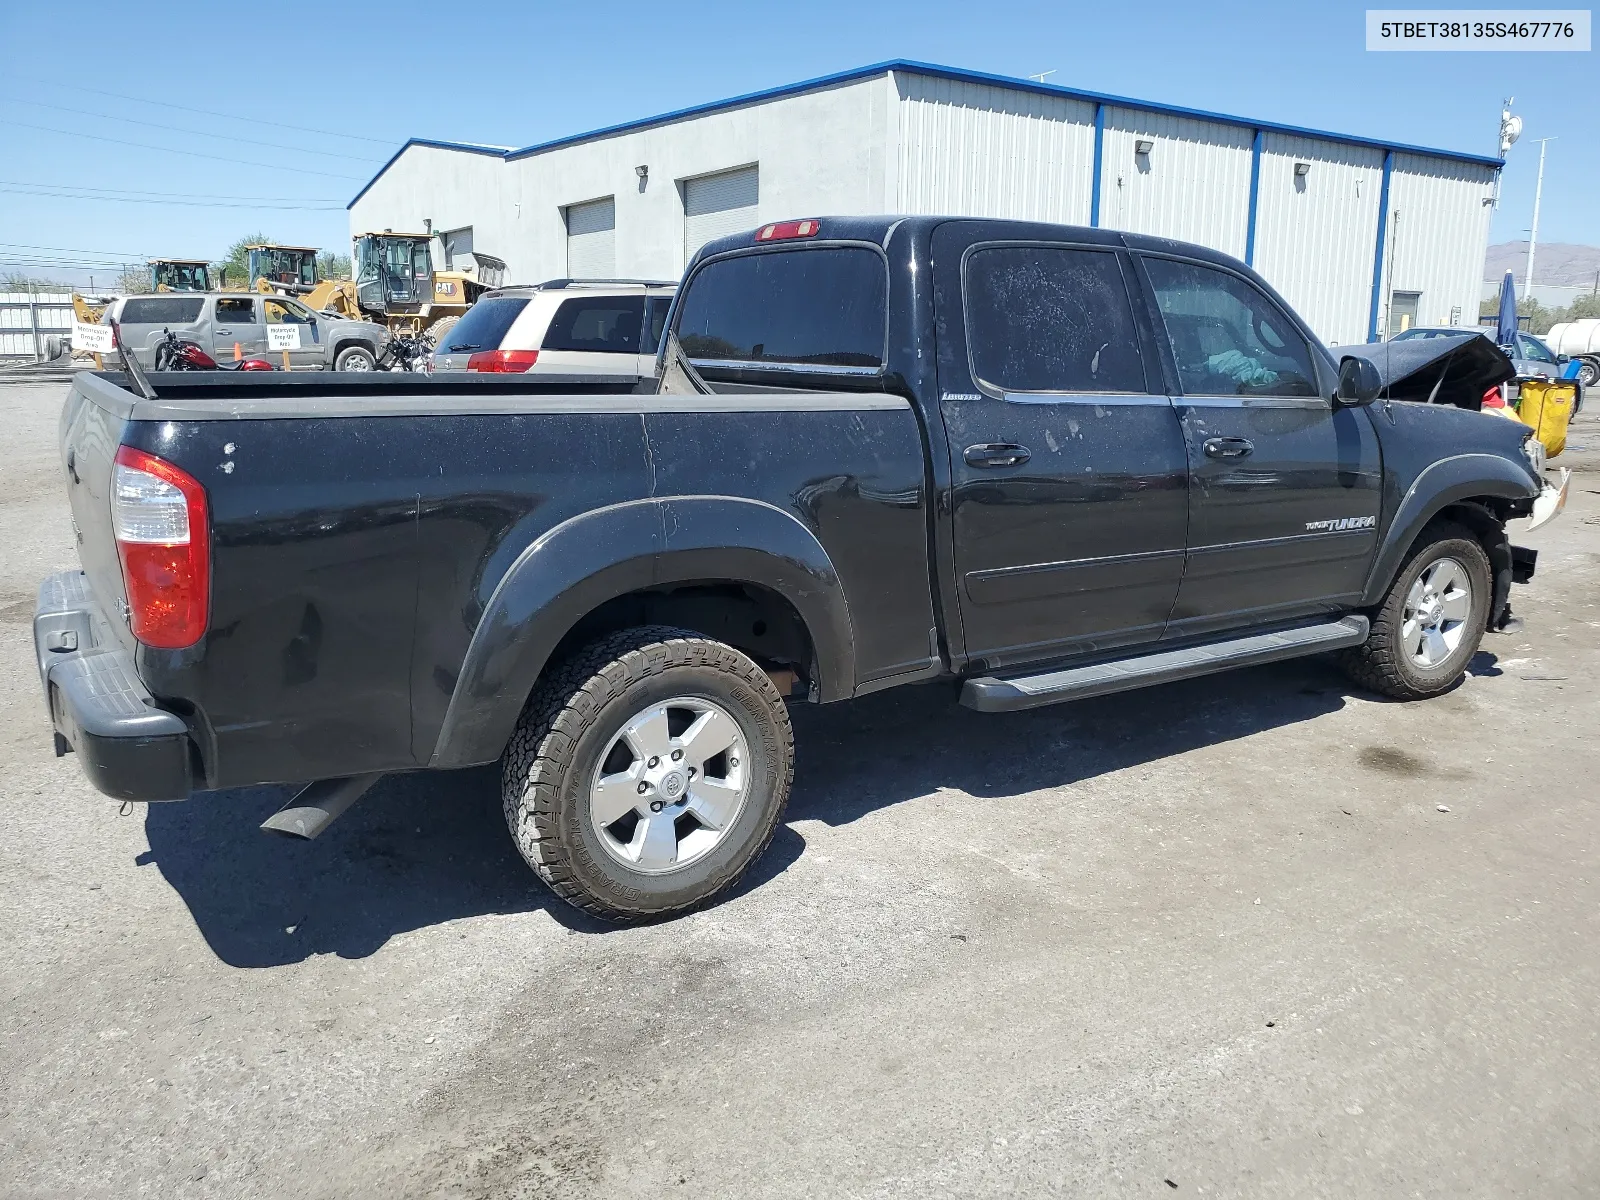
column 1430, row 623
column 354, row 358
column 648, row 772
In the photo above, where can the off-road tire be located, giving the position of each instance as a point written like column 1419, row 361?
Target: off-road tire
column 1380, row 663
column 342, row 361
column 435, row 332
column 570, row 719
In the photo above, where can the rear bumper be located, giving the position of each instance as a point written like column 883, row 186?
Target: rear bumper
column 130, row 748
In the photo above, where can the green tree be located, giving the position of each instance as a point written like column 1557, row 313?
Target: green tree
column 237, row 261
column 333, row 266
column 21, row 281
column 134, row 280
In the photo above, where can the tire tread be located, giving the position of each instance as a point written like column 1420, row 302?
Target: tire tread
column 561, row 706
column 1373, row 664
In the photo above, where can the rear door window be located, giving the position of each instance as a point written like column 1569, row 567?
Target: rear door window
column 485, row 324
column 597, row 324
column 1228, row 338
column 655, row 322
column 826, row 307
column 161, row 310
column 236, row 312
column 1051, row 319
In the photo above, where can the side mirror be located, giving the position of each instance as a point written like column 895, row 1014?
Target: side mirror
column 1563, row 359
column 1359, row 382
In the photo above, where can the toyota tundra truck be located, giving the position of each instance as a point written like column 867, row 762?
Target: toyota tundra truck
column 1027, row 462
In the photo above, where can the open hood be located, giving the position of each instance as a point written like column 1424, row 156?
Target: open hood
column 1455, row 369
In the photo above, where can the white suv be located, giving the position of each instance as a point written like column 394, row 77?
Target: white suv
column 566, row 326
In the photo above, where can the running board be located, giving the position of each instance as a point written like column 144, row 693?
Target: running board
column 989, row 694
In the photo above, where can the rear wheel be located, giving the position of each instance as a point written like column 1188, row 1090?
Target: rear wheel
column 354, row 358
column 648, row 772
column 1589, row 371
column 1431, row 622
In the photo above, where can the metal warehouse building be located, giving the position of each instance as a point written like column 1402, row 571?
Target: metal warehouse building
column 1360, row 235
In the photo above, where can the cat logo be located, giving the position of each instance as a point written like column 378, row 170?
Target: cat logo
column 1340, row 524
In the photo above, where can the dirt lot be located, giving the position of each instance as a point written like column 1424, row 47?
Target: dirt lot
column 1210, row 939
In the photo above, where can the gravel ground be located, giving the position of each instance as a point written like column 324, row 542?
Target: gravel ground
column 1214, row 938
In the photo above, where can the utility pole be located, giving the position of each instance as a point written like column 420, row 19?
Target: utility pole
column 1533, row 234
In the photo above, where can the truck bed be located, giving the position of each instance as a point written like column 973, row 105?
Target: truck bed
column 363, row 530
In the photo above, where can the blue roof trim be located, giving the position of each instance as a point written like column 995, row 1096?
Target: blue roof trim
column 913, row 67
column 494, row 151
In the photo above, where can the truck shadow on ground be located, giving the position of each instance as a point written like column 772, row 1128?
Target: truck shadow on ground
column 428, row 848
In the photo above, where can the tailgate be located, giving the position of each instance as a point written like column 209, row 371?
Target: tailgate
column 90, row 435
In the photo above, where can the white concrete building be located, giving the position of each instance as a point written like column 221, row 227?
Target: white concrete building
column 1359, row 235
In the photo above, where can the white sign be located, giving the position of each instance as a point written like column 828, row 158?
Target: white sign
column 94, row 338
column 1478, row 29
column 283, row 337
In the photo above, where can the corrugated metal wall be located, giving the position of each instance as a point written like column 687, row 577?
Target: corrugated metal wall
column 1193, row 185
column 972, row 150
column 1315, row 234
column 1438, row 237
column 22, row 313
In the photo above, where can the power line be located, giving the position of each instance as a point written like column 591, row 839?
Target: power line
column 67, row 249
column 172, row 150
column 175, row 203
column 88, row 187
column 360, row 137
column 227, row 137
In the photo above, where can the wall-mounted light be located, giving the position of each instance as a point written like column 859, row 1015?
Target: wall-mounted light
column 1143, row 146
column 1301, row 170
column 642, row 171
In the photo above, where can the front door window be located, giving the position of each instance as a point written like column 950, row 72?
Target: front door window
column 1227, row 338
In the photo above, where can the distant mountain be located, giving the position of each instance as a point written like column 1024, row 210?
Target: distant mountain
column 1556, row 264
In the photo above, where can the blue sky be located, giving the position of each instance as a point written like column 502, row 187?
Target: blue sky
column 516, row 74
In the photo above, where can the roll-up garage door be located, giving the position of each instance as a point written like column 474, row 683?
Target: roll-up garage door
column 714, row 205
column 592, row 239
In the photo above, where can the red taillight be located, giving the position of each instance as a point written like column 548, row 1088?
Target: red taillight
column 784, row 230
column 158, row 514
column 1493, row 399
column 504, row 361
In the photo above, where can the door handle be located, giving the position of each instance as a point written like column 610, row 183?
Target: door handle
column 996, row 454
column 1228, row 447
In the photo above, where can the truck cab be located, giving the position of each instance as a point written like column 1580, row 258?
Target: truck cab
column 1033, row 463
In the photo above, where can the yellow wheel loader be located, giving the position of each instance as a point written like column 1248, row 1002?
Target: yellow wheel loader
column 395, row 282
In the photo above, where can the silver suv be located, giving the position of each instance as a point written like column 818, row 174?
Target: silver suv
column 566, row 326
column 219, row 321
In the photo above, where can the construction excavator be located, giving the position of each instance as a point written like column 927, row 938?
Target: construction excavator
column 395, row 283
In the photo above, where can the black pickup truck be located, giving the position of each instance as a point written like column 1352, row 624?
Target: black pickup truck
column 1033, row 462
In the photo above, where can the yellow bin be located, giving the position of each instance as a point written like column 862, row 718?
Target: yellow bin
column 1546, row 407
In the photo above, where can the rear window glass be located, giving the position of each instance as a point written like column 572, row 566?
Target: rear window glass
column 485, row 324
column 824, row 307
column 599, row 324
column 161, row 310
column 1050, row 319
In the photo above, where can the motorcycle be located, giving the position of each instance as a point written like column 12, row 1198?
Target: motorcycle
column 180, row 354
column 407, row 352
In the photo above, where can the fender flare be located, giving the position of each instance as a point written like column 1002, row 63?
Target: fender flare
column 572, row 569
column 1441, row 484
